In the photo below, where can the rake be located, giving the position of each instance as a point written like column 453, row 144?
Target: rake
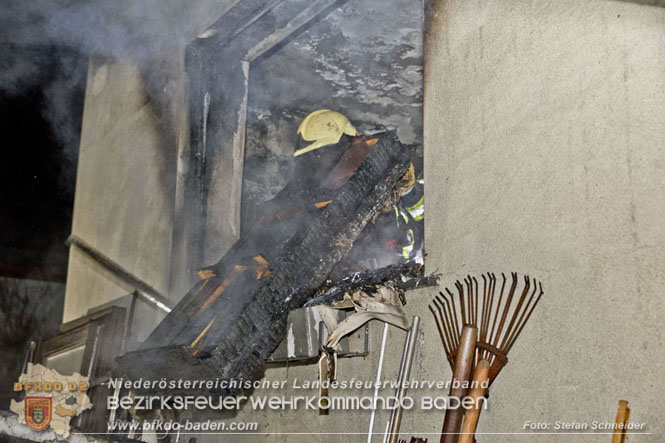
column 500, row 320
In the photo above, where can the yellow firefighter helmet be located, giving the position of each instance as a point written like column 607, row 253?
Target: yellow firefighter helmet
column 324, row 127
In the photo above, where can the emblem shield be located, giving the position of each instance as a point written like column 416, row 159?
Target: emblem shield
column 38, row 412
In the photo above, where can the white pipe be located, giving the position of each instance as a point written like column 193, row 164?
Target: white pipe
column 376, row 384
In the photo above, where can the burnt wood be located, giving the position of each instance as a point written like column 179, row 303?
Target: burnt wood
column 401, row 277
column 229, row 324
column 277, row 220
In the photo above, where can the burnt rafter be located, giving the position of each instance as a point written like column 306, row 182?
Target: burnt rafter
column 233, row 319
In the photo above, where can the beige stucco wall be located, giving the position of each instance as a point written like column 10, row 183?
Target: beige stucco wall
column 122, row 208
column 545, row 126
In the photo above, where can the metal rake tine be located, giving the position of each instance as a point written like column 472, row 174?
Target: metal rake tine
column 436, row 320
column 458, row 329
column 469, row 297
column 506, row 308
column 523, row 311
column 527, row 317
column 492, row 338
column 482, row 330
column 460, row 292
column 482, row 307
column 490, row 301
column 469, row 300
column 444, row 321
column 464, row 290
column 446, row 325
column 511, row 325
column 476, row 307
column 449, row 326
column 448, row 346
column 452, row 314
column 487, row 309
column 474, row 285
column 455, row 331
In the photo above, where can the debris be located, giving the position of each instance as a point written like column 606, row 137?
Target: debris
column 303, row 251
column 401, row 277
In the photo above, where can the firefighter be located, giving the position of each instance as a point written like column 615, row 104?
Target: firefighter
column 398, row 234
column 398, row 237
column 409, row 215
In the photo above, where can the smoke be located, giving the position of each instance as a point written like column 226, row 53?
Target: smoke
column 117, row 29
column 362, row 59
column 45, row 49
column 57, row 37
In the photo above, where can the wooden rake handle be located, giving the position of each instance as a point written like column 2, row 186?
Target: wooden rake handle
column 619, row 435
column 461, row 374
column 477, row 392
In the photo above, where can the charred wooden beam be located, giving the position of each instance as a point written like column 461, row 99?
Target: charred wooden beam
column 229, row 323
column 401, row 277
column 276, row 221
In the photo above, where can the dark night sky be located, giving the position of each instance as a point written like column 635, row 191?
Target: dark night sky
column 38, row 168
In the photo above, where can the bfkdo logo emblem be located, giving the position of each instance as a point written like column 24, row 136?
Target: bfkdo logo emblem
column 38, row 412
